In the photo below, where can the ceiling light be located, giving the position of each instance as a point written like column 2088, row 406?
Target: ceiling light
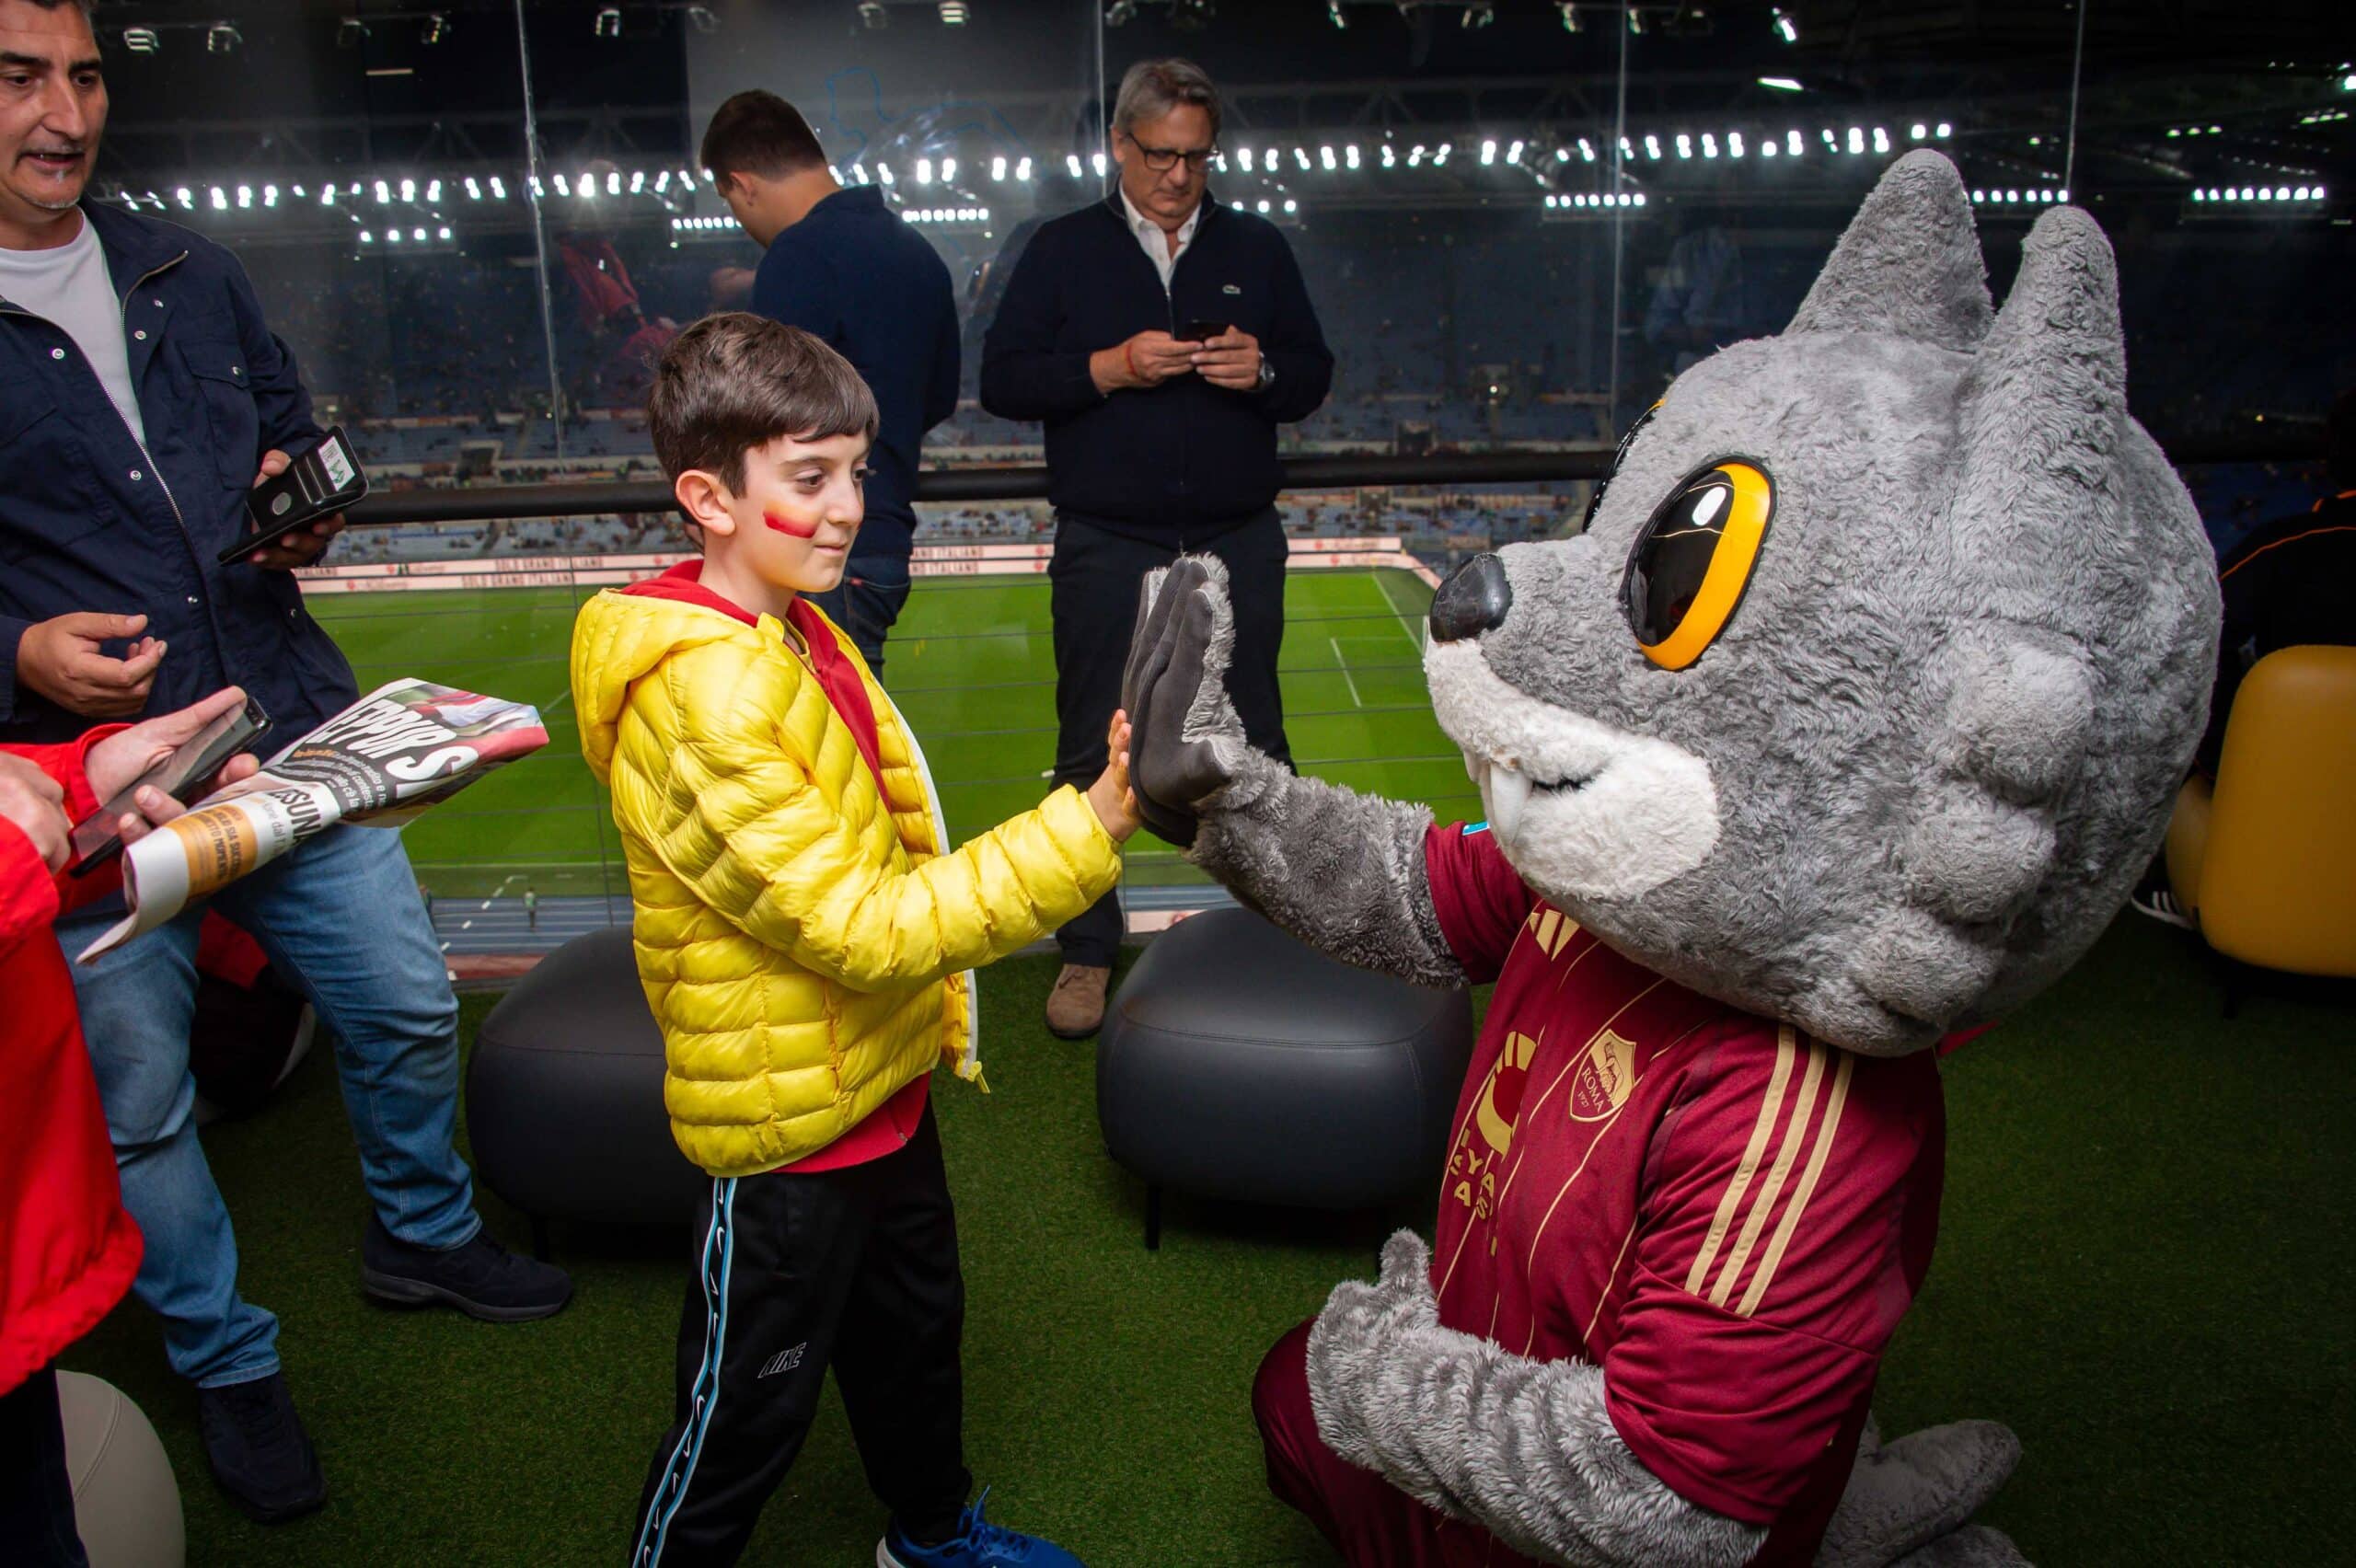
column 873, row 14
column 1120, row 13
column 1334, row 13
column 1785, row 29
column 222, row 36
column 141, row 40
column 1478, row 14
column 350, row 33
column 1570, row 16
column 608, row 23
column 952, row 13
column 435, row 28
column 1782, row 84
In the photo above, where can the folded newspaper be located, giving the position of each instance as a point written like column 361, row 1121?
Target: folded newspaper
column 396, row 751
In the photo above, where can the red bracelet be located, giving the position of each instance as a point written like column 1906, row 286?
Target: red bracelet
column 1129, row 358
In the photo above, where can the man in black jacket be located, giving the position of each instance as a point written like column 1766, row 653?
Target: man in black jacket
column 1163, row 337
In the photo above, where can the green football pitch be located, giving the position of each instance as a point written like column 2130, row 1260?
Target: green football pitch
column 970, row 665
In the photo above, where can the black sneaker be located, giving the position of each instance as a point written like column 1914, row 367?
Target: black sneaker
column 480, row 1278
column 258, row 1449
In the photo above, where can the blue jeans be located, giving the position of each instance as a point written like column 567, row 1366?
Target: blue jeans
column 866, row 602
column 342, row 920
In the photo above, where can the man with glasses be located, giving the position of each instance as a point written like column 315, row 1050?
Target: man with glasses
column 1161, row 335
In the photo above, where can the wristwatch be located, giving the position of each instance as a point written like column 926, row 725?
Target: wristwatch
column 1268, row 374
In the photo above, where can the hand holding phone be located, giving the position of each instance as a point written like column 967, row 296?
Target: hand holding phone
column 319, row 483
column 1202, row 329
column 182, row 775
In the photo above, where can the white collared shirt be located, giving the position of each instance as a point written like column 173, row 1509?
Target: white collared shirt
column 1151, row 235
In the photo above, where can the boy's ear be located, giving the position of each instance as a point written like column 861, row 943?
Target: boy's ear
column 704, row 500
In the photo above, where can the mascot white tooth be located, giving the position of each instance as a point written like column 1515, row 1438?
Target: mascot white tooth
column 1847, row 723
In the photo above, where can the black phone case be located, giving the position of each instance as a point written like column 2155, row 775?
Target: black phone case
column 324, row 479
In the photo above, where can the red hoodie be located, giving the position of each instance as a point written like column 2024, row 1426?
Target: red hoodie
column 67, row 1248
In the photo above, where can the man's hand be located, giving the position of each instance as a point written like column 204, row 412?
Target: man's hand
column 114, row 762
column 298, row 547
column 60, row 659
column 1146, row 360
column 1231, row 359
column 35, row 803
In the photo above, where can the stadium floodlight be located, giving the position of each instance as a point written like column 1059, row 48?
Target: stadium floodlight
column 1301, row 157
column 474, row 191
column 1291, row 205
column 1570, row 16
column 924, row 171
column 418, row 234
column 688, row 177
column 393, row 236
column 1350, row 154
column 298, row 194
column 564, row 186
column 998, row 167
column 1684, row 146
column 1022, row 171
column 1734, row 144
column 1071, row 163
column 637, row 180
column 1513, row 153
column 952, row 13
column 1881, row 140
column 498, row 189
column 1390, row 155
column 883, row 172
column 219, row 200
column 1917, row 130
column 1768, row 147
column 444, row 232
column 327, row 195
column 221, row 38
column 1478, row 13
column 186, row 201
column 244, row 195
column 1264, row 204
column 366, row 237
column 701, row 19
column 1783, row 84
column 1781, row 21
column 1488, row 153
column 269, row 195
column 1636, row 20
column 384, row 193
column 1709, row 145
column 1439, row 153
column 1097, row 161
column 409, row 189
column 432, row 192
column 434, row 30
column 947, row 170
column 1325, row 158
column 614, row 182
column 2348, row 83
column 1334, row 13
column 1944, row 131
column 1652, row 146
column 1587, row 149
column 608, row 22
column 1856, row 140
column 1792, row 143
column 141, row 41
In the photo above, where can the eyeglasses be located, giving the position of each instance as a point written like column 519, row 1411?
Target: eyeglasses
column 1160, row 159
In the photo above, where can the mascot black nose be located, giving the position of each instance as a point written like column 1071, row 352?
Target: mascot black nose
column 1474, row 599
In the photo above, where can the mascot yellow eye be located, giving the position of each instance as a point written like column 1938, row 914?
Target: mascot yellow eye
column 1693, row 561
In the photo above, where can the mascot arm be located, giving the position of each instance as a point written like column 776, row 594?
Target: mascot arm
column 1342, row 871
column 1521, row 1448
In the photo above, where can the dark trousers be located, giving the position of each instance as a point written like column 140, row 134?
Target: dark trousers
column 35, row 1494
column 854, row 1269
column 866, row 603
column 1094, row 574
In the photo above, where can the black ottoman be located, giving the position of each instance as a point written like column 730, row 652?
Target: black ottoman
column 564, row 1095
column 1235, row 1062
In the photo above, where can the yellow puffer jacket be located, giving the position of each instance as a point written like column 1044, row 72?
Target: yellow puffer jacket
column 800, row 936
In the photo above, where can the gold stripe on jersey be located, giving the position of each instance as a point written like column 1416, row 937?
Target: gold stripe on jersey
column 1826, row 1133
column 1552, row 929
column 1786, row 1155
column 1721, row 1222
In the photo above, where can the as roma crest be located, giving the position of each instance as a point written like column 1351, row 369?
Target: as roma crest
column 1605, row 1074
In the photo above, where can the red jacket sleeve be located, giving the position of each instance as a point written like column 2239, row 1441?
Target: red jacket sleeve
column 29, row 896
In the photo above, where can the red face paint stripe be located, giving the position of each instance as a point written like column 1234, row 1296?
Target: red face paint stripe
column 791, row 530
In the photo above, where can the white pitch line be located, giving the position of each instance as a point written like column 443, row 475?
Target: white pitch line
column 465, row 925
column 501, row 888
column 1335, row 644
column 1414, row 640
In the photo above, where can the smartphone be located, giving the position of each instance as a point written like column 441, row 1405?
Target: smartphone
column 190, row 768
column 317, row 484
column 1200, row 331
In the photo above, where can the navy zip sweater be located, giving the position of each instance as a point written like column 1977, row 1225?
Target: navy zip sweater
column 1185, row 461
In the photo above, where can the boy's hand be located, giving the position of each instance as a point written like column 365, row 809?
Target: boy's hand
column 1115, row 803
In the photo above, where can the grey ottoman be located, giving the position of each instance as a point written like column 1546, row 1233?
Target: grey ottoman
column 564, row 1095
column 1235, row 1062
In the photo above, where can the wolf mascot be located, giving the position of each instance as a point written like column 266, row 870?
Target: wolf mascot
column 1846, row 725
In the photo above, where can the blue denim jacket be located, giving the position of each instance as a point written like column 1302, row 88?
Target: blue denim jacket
column 90, row 520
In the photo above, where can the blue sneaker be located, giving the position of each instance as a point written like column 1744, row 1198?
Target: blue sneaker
column 979, row 1544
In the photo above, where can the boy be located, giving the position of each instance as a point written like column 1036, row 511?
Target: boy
column 805, row 940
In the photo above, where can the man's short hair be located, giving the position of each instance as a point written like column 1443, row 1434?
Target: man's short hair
column 1151, row 88
column 760, row 133
column 89, row 9
column 731, row 383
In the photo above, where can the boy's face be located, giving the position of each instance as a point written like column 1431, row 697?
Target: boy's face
column 798, row 513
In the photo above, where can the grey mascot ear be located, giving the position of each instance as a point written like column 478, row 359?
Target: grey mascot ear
column 2043, row 411
column 1909, row 263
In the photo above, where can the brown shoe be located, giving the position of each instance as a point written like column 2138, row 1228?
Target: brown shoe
column 1076, row 1006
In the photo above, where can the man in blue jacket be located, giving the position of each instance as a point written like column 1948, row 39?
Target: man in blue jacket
column 1163, row 337
column 141, row 398
column 842, row 266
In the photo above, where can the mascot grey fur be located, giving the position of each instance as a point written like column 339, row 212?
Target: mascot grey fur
column 1855, row 713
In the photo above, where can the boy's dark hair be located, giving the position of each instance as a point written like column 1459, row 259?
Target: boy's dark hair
column 734, row 381
column 758, row 133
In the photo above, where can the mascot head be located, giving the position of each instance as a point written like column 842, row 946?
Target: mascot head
column 1862, row 699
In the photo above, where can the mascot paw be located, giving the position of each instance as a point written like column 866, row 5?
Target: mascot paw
column 1185, row 742
column 1911, row 1500
column 1356, row 1336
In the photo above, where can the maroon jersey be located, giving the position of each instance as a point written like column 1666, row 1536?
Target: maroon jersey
column 1726, row 1216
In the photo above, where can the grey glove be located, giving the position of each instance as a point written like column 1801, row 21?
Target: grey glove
column 1909, row 1503
column 1520, row 1447
column 1185, row 740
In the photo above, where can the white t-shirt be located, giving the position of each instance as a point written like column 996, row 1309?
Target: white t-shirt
column 69, row 287
column 1156, row 240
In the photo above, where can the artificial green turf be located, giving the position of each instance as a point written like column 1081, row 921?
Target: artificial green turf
column 971, row 664
column 2146, row 1269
